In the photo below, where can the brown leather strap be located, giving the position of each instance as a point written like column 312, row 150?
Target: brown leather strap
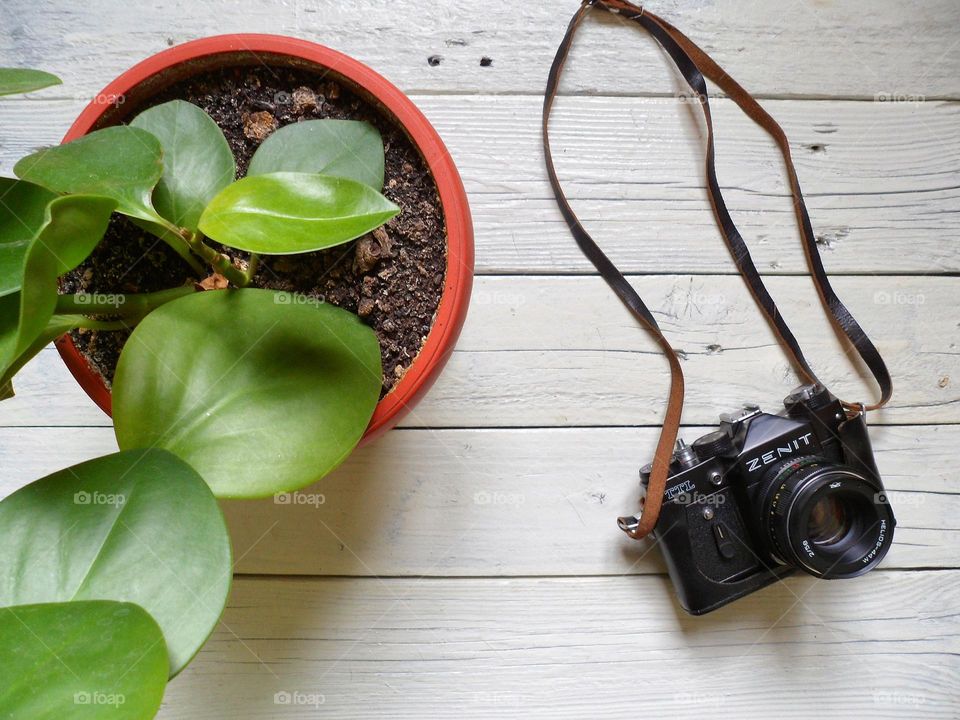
column 694, row 64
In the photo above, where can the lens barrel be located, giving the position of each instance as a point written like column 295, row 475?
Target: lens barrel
column 826, row 519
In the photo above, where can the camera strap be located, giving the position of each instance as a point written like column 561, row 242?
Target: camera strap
column 694, row 64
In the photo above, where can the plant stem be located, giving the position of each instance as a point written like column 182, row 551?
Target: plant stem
column 91, row 324
column 171, row 236
column 218, row 261
column 252, row 266
column 126, row 306
column 190, row 258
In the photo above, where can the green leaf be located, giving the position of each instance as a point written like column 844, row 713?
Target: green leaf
column 56, row 326
column 80, row 660
column 21, row 80
column 284, row 213
column 343, row 148
column 9, row 324
column 123, row 163
column 261, row 392
column 197, row 161
column 23, row 211
column 137, row 526
column 72, row 228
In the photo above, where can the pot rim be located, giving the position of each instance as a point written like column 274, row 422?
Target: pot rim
column 452, row 307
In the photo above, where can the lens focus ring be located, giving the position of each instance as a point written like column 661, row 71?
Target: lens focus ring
column 781, row 499
column 826, row 518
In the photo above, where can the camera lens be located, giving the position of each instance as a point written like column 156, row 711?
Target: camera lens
column 829, row 520
column 826, row 519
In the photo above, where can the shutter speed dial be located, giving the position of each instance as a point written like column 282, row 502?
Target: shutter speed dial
column 714, row 444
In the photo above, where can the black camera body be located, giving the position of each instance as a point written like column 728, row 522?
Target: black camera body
column 768, row 494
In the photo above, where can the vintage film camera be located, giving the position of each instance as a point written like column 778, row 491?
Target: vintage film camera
column 767, row 494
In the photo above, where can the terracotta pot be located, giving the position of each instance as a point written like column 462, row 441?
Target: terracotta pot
column 145, row 79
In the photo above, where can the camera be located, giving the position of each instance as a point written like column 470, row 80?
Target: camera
column 765, row 495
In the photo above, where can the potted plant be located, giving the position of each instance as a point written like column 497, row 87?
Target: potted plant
column 337, row 82
column 241, row 349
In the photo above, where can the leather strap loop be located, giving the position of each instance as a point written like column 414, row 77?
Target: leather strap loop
column 629, row 297
column 694, row 64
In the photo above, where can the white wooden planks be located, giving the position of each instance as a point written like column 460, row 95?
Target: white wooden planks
column 883, row 646
column 501, row 502
column 879, row 178
column 856, row 48
column 502, row 489
column 562, row 351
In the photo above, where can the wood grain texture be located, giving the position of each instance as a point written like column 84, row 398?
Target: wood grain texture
column 882, row 647
column 501, row 502
column 880, row 180
column 468, row 565
column 562, row 351
column 800, row 48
